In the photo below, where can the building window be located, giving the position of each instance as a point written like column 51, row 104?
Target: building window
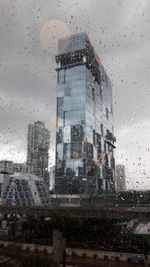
column 99, row 148
column 67, row 91
column 77, row 133
column 59, row 136
column 102, row 130
column 93, row 94
column 111, row 109
column 106, row 80
column 107, row 113
column 93, row 137
column 62, row 76
column 57, row 76
column 76, row 150
column 100, row 92
column 105, row 147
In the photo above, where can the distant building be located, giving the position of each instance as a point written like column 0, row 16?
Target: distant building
column 85, row 138
column 24, row 189
column 120, row 178
column 37, row 150
column 6, row 166
column 20, row 168
column 3, row 175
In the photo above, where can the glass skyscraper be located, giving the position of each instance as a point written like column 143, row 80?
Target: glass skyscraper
column 85, row 140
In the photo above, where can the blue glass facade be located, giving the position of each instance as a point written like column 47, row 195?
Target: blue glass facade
column 85, row 140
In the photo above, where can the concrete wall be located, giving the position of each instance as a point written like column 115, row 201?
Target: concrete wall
column 85, row 253
column 99, row 254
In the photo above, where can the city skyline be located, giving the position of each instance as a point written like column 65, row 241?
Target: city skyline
column 26, row 69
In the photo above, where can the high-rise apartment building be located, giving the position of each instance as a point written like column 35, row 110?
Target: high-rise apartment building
column 37, row 150
column 84, row 138
column 120, row 178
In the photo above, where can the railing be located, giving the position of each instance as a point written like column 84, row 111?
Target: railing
column 87, row 211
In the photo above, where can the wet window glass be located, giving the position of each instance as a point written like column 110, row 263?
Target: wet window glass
column 74, row 135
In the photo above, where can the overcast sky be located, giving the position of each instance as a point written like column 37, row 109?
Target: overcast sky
column 120, row 33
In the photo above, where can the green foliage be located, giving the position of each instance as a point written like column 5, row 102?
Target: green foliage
column 57, row 222
column 146, row 239
column 36, row 228
column 78, row 232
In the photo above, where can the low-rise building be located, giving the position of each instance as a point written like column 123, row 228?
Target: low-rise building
column 24, row 189
column 20, row 168
column 6, row 166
